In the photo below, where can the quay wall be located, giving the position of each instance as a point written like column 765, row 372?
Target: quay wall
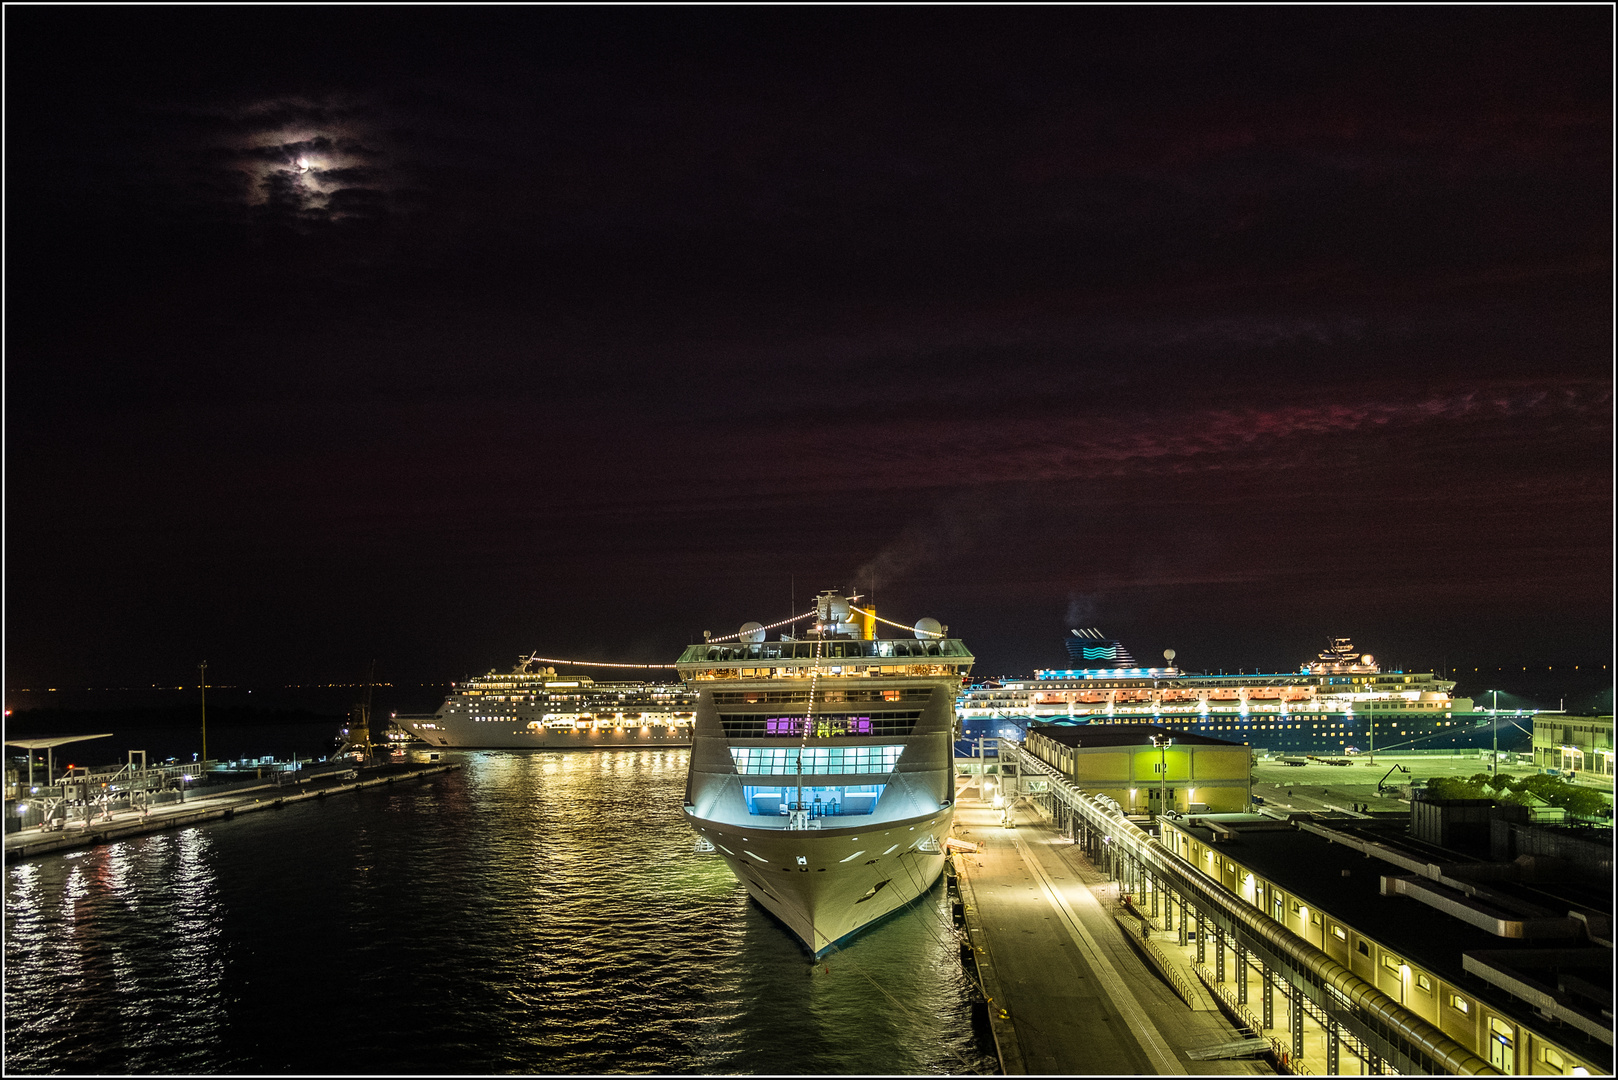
column 263, row 796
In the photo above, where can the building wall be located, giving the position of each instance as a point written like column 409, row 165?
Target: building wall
column 1489, row 1032
column 1574, row 744
column 1219, row 777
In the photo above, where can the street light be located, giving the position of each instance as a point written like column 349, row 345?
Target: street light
column 202, row 688
column 1494, row 734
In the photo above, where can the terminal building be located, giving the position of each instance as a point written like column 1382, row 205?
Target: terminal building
column 1438, row 942
column 1574, row 744
column 1513, row 961
column 1138, row 765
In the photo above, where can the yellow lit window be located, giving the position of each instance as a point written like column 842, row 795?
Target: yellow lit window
column 1459, row 1003
column 1337, row 932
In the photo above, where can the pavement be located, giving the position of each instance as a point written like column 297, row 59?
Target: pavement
column 1078, row 998
column 1318, row 786
column 1073, row 994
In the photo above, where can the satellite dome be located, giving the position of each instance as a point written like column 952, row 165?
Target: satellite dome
column 752, row 631
column 928, row 629
column 1367, row 659
column 1168, row 654
column 837, row 610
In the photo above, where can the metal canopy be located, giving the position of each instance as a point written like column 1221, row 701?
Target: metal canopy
column 54, row 741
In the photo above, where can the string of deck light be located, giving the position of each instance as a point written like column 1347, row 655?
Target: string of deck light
column 766, row 629
column 914, row 629
column 537, row 659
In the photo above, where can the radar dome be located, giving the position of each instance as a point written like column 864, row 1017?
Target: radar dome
column 1168, row 654
column 928, row 629
column 752, row 631
column 1367, row 659
column 837, row 610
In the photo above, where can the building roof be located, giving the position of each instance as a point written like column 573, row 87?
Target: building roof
column 1092, row 736
column 1346, row 884
column 53, row 741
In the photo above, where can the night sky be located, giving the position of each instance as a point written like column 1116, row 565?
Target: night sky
column 435, row 336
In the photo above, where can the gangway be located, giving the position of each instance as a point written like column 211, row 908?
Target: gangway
column 84, row 793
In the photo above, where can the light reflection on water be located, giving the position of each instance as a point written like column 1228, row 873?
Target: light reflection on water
column 532, row 912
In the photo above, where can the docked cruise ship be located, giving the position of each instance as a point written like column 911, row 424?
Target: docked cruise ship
column 531, row 707
column 821, row 767
column 1342, row 702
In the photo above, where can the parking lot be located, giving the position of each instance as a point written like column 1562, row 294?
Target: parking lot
column 1319, row 786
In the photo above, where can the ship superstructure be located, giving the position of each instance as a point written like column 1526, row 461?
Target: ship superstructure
column 531, row 707
column 821, row 766
column 1338, row 703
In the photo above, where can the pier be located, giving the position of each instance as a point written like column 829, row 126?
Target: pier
column 99, row 826
column 1066, row 990
column 1074, row 863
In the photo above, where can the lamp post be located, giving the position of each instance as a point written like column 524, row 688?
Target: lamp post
column 1494, row 735
column 202, row 686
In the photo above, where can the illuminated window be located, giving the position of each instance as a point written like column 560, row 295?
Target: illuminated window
column 1424, row 983
column 783, row 760
column 1459, row 1003
column 1337, row 932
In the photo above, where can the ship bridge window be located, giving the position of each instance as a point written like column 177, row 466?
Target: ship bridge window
column 817, row 760
column 830, row 725
column 833, row 801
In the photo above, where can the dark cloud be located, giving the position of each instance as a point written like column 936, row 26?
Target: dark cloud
column 575, row 319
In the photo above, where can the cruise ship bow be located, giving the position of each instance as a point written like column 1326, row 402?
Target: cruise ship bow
column 821, row 765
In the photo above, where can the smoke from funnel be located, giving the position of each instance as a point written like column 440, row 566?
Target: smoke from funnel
column 947, row 534
column 1082, row 609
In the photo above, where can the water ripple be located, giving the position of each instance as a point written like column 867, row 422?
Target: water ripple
column 535, row 912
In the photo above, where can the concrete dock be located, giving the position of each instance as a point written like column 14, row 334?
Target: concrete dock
column 1067, row 991
column 201, row 807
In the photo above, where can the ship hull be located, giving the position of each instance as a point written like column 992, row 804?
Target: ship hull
column 464, row 735
column 821, row 769
column 825, row 885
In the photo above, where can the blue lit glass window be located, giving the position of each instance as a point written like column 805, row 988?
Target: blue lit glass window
column 840, row 801
column 828, row 760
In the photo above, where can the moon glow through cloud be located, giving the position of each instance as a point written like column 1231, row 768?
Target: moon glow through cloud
column 459, row 333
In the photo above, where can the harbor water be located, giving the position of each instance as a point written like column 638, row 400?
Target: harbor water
column 533, row 912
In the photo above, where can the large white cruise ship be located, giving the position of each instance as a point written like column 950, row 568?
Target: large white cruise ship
column 539, row 709
column 1343, row 702
column 821, row 766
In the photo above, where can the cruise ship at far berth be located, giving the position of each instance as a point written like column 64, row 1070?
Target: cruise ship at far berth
column 535, row 709
column 821, row 765
column 1342, row 702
